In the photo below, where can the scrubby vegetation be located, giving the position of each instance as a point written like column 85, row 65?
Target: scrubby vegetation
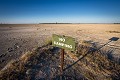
column 43, row 63
column 97, row 65
column 113, row 31
column 16, row 69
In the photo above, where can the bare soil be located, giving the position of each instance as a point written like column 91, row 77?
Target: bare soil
column 16, row 39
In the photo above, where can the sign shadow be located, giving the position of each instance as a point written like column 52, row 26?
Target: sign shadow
column 91, row 51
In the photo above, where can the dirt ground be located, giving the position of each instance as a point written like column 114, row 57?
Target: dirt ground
column 16, row 39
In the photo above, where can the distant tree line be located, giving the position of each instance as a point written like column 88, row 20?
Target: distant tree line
column 55, row 23
column 116, row 23
column 79, row 23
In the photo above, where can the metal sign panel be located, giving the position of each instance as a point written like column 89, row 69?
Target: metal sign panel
column 64, row 42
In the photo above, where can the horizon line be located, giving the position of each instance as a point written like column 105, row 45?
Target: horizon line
column 59, row 23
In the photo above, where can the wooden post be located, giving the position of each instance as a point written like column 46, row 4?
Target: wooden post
column 62, row 62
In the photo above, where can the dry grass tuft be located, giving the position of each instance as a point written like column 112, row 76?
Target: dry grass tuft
column 113, row 31
column 16, row 69
column 26, row 56
column 86, row 43
column 48, row 42
column 93, row 65
column 96, row 64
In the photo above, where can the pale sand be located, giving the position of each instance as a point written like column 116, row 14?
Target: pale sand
column 22, row 38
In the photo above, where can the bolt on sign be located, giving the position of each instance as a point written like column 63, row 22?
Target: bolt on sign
column 64, row 42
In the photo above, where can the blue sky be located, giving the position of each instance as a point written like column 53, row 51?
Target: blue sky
column 64, row 11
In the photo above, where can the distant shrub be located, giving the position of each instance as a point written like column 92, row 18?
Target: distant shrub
column 113, row 31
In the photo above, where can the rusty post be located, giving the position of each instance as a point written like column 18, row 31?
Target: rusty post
column 62, row 61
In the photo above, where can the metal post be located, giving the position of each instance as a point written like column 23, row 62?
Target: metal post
column 62, row 61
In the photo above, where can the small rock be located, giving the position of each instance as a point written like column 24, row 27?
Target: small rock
column 10, row 49
column 30, row 71
column 10, row 55
column 16, row 45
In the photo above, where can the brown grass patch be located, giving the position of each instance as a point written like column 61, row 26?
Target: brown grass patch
column 94, row 65
column 16, row 69
column 113, row 31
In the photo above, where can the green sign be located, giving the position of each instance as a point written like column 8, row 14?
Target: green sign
column 64, row 42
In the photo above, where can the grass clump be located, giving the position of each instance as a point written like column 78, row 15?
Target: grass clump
column 93, row 65
column 16, row 69
column 48, row 42
column 113, row 31
column 96, row 64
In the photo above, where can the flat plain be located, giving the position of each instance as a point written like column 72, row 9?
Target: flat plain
column 16, row 39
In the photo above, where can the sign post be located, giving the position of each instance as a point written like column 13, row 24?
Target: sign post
column 62, row 61
column 64, row 42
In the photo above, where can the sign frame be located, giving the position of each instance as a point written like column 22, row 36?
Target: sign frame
column 64, row 42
